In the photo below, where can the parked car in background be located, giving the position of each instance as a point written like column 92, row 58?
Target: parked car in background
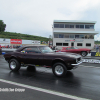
column 82, row 51
column 44, row 56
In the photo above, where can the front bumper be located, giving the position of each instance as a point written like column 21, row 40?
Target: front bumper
column 77, row 63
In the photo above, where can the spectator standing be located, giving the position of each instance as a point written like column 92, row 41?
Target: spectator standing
column 53, row 48
column 97, row 47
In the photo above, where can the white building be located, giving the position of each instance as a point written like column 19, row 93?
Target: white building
column 74, row 33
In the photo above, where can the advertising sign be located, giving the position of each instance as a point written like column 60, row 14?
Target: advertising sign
column 96, row 54
column 74, row 40
column 35, row 42
column 3, row 40
column 15, row 41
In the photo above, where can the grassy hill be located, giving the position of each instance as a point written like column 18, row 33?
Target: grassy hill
column 11, row 35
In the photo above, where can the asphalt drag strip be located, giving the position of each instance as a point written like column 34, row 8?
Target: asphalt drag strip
column 37, row 89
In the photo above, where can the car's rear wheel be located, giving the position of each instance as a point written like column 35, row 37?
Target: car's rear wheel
column 59, row 69
column 83, row 53
column 14, row 65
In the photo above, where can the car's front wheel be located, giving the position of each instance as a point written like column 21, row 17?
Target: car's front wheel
column 59, row 69
column 83, row 53
column 14, row 65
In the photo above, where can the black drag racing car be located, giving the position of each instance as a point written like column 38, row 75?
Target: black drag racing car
column 60, row 62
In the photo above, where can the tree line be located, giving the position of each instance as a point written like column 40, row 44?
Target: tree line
column 14, row 35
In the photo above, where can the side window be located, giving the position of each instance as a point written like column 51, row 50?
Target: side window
column 31, row 50
column 72, row 48
column 35, row 50
column 68, row 48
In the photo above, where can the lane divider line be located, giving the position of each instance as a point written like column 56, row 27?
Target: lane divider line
column 88, row 66
column 44, row 90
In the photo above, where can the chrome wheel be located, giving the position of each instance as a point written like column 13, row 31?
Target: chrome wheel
column 12, row 65
column 84, row 54
column 59, row 70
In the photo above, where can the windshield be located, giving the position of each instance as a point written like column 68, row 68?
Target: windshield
column 75, row 47
column 46, row 49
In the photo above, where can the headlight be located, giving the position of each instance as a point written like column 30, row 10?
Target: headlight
column 78, row 59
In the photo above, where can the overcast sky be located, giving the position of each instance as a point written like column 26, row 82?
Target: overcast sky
column 35, row 17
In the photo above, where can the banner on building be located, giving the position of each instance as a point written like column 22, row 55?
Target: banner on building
column 15, row 41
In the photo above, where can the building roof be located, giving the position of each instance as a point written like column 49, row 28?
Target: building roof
column 74, row 21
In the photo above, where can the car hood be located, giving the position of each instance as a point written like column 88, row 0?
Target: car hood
column 65, row 54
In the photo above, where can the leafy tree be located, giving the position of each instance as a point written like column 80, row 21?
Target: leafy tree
column 2, row 26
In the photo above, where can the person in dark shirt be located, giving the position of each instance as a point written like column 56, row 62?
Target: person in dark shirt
column 53, row 48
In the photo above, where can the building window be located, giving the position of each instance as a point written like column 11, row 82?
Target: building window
column 65, row 44
column 67, row 26
column 71, row 26
column 58, row 44
column 81, row 26
column 88, row 44
column 76, row 36
column 71, row 36
column 56, row 25
column 66, row 36
column 89, row 26
column 91, row 36
column 61, row 35
column 56, row 35
column 79, row 44
column 61, row 25
column 87, row 36
column 77, row 26
column 81, row 36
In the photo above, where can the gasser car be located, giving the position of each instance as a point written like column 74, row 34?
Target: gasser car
column 81, row 51
column 44, row 56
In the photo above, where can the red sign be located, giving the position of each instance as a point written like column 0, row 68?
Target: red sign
column 15, row 41
column 72, row 40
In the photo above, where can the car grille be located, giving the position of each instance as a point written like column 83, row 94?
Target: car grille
column 79, row 59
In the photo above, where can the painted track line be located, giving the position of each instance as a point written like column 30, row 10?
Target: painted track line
column 88, row 66
column 44, row 90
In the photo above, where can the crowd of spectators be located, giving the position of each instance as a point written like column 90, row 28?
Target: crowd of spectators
column 11, row 46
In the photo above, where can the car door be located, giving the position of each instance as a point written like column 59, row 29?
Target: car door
column 32, row 55
column 71, row 49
